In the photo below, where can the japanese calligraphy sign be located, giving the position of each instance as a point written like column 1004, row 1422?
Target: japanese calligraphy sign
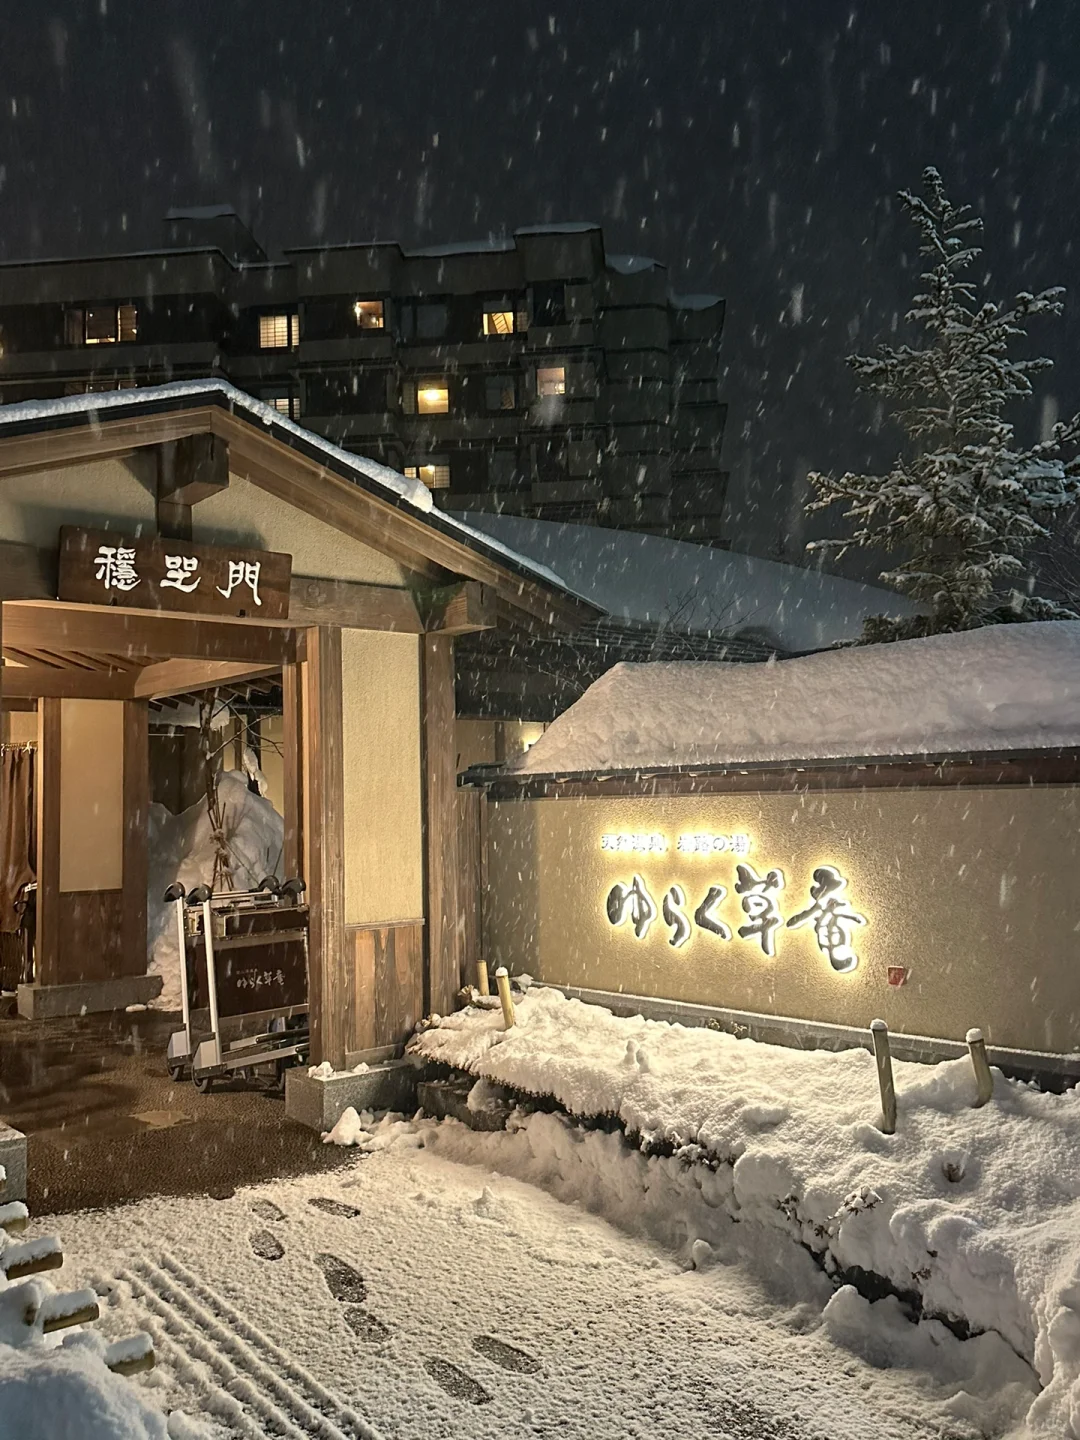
column 100, row 567
column 750, row 894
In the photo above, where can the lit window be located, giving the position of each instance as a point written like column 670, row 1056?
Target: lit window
column 550, row 380
column 432, row 397
column 435, row 476
column 283, row 403
column 369, row 314
column 279, row 332
column 102, row 324
column 498, row 322
column 500, row 392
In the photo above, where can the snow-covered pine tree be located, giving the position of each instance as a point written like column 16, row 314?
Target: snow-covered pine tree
column 961, row 506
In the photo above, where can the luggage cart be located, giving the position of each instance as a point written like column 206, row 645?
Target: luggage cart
column 244, row 959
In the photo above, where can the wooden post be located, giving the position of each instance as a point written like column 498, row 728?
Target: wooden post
column 136, row 814
column 47, row 783
column 444, row 977
column 880, row 1032
column 506, row 1000
column 483, row 984
column 324, row 844
column 984, row 1080
column 292, row 743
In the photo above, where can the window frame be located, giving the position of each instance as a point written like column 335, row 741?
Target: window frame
column 291, row 319
column 431, row 385
column 552, row 394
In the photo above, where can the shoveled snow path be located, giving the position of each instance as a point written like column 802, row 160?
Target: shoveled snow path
column 622, row 1340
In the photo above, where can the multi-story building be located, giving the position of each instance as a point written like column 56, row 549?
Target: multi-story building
column 535, row 376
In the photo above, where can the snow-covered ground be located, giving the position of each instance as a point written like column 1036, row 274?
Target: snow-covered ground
column 975, row 1212
column 427, row 1292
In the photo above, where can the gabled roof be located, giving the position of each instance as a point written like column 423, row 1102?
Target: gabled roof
column 360, row 497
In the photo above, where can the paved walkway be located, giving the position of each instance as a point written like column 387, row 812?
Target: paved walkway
column 105, row 1124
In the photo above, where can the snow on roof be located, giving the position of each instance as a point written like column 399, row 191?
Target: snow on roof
column 696, row 302
column 563, row 227
column 199, row 212
column 414, row 492
column 633, row 264
column 491, row 245
column 1003, row 688
column 649, row 580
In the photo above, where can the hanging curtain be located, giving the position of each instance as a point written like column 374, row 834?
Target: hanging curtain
column 16, row 831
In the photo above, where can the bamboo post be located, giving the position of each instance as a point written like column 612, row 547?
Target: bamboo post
column 483, row 984
column 502, row 980
column 984, row 1081
column 880, row 1033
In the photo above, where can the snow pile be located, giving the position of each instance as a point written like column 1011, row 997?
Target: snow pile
column 182, row 848
column 975, row 1212
column 1004, row 687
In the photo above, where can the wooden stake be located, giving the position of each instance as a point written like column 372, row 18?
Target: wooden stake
column 502, row 980
column 880, row 1033
column 984, row 1081
column 483, row 984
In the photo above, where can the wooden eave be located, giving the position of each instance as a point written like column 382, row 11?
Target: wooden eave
column 284, row 464
column 1028, row 768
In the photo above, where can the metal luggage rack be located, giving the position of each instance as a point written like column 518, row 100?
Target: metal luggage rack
column 239, row 948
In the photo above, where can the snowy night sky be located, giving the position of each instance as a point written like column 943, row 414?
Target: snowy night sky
column 755, row 149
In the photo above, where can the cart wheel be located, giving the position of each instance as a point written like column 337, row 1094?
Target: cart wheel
column 176, row 1070
column 202, row 1083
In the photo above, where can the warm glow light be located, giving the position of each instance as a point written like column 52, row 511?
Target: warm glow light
column 369, row 314
column 433, row 399
column 498, row 322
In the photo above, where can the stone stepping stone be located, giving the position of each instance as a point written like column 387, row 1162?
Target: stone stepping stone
column 267, row 1210
column 333, row 1207
column 508, row 1356
column 455, row 1382
column 343, row 1282
column 365, row 1326
column 266, row 1245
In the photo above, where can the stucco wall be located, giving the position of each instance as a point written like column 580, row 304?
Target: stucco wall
column 105, row 495
column 975, row 891
column 381, row 742
column 119, row 495
column 91, row 794
column 245, row 515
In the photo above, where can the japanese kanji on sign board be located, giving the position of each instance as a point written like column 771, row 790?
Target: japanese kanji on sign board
column 99, row 567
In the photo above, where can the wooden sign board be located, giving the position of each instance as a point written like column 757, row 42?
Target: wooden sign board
column 100, row 567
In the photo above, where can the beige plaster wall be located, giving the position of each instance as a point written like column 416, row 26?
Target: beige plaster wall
column 975, row 891
column 272, row 730
column 381, row 742
column 19, row 727
column 120, row 495
column 106, row 495
column 91, row 794
column 245, row 515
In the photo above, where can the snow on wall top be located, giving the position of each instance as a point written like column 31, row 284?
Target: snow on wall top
column 649, row 580
column 1006, row 687
column 414, row 491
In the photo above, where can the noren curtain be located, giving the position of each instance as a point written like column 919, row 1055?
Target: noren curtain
column 16, row 831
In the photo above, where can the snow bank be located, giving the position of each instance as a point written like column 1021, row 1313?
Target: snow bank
column 182, row 848
column 976, row 1212
column 1005, row 687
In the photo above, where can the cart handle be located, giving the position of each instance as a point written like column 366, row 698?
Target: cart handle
column 173, row 893
column 293, row 888
column 200, row 895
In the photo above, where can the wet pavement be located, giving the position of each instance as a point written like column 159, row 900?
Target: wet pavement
column 105, row 1124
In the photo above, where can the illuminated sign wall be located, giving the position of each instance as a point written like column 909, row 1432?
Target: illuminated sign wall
column 835, row 906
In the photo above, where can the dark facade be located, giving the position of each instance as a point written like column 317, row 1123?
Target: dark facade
column 535, row 375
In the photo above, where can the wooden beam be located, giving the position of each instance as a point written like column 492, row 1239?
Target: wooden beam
column 132, row 633
column 292, row 747
column 26, row 572
column 192, row 469
column 32, row 681
column 47, row 787
column 52, row 448
column 177, row 677
column 324, row 843
column 442, row 900
column 353, row 606
column 136, row 812
column 460, row 609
